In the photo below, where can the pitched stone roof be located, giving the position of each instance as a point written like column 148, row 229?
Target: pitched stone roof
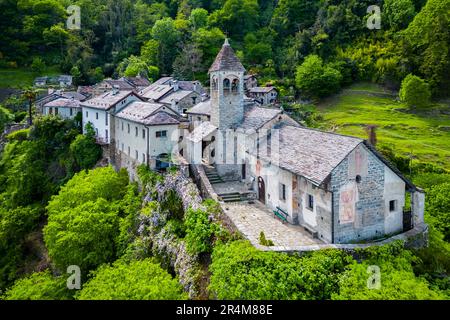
column 203, row 108
column 201, row 131
column 106, row 100
column 175, row 95
column 255, row 117
column 149, row 113
column 136, row 81
column 120, row 84
column 226, row 59
column 155, row 92
column 63, row 102
column 310, row 153
column 261, row 89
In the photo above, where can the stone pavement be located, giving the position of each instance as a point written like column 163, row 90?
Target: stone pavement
column 251, row 219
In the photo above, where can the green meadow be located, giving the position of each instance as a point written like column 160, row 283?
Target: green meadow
column 423, row 134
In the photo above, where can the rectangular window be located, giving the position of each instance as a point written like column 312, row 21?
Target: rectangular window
column 122, row 147
column 50, row 110
column 87, row 114
column 129, row 151
column 310, row 202
column 128, row 127
column 136, row 154
column 143, row 133
column 136, row 132
column 282, row 191
column 56, row 110
column 106, row 119
column 71, row 111
column 392, row 205
column 161, row 134
column 96, row 115
column 122, row 125
column 106, row 135
column 143, row 157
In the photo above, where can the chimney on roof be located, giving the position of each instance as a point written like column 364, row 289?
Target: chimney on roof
column 372, row 134
column 173, row 104
column 196, row 86
column 115, row 89
column 175, row 85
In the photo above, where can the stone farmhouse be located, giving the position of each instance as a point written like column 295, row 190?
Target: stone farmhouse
column 337, row 187
column 250, row 81
column 67, row 108
column 179, row 95
column 263, row 95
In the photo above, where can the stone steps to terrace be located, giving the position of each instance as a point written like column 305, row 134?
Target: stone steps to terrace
column 231, row 197
column 212, row 175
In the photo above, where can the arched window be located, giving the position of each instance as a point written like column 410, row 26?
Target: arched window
column 214, row 83
column 226, row 84
column 235, row 85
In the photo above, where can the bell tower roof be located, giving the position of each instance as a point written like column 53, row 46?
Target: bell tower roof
column 226, row 60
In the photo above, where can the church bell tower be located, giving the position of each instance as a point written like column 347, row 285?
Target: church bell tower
column 227, row 89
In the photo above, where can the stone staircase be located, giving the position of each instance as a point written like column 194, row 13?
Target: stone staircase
column 212, row 175
column 231, row 197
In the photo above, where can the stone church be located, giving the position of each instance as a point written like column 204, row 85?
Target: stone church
column 337, row 187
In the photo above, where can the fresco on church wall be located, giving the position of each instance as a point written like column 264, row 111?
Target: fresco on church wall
column 348, row 198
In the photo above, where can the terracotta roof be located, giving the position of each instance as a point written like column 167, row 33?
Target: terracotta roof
column 226, row 60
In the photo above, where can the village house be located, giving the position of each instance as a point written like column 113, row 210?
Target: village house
column 57, row 94
column 110, row 84
column 179, row 95
column 147, row 133
column 250, row 81
column 100, row 110
column 337, row 187
column 66, row 108
column 263, row 95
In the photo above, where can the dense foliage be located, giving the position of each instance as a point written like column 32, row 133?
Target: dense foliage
column 239, row 271
column 130, row 37
column 84, row 219
column 415, row 91
column 39, row 286
column 138, row 280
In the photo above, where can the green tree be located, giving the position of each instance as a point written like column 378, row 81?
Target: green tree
column 397, row 281
column 165, row 32
column 239, row 271
column 139, row 280
column 39, row 286
column 316, row 79
column 84, row 219
column 427, row 45
column 5, row 117
column 398, row 13
column 85, row 149
column 438, row 207
column 38, row 65
column 198, row 18
column 415, row 91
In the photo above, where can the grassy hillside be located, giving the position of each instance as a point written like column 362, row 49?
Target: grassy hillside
column 20, row 77
column 422, row 133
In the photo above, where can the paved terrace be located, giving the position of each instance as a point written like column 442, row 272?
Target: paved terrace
column 253, row 218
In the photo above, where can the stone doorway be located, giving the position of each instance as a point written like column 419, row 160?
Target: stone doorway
column 261, row 190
